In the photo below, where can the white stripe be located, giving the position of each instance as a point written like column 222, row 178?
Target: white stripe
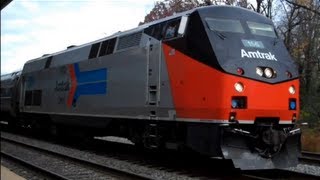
column 141, row 117
column 4, row 122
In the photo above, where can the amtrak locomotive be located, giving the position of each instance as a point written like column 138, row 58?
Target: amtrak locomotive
column 217, row 80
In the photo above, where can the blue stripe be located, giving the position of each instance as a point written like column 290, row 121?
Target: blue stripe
column 91, row 89
column 88, row 82
column 90, row 76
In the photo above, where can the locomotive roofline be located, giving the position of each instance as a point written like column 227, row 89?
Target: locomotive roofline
column 139, row 28
column 116, row 34
column 10, row 76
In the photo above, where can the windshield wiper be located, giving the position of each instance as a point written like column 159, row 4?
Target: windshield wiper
column 218, row 33
column 275, row 41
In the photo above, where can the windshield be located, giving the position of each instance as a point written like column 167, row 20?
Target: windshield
column 224, row 25
column 234, row 26
column 261, row 29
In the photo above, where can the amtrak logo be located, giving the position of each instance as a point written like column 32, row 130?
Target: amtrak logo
column 92, row 82
column 258, row 55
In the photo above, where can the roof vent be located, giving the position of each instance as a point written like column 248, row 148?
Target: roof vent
column 130, row 40
column 71, row 46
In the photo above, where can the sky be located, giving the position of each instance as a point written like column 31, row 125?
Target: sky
column 31, row 28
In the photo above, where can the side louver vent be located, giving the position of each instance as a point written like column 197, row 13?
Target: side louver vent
column 130, row 40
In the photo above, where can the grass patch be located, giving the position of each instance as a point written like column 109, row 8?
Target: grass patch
column 310, row 139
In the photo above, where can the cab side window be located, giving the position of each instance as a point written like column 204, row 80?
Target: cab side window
column 171, row 30
column 155, row 30
column 164, row 30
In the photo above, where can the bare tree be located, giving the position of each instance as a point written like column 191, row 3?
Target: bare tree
column 300, row 27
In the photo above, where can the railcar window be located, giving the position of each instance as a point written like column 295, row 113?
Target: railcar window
column 9, row 91
column 7, row 76
column 33, row 98
column 28, row 98
column 224, row 25
column 3, row 92
column 261, row 29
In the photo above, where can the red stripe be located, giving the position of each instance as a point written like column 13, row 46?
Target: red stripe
column 73, row 84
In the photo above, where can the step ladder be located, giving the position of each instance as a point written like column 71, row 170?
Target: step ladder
column 153, row 95
column 152, row 138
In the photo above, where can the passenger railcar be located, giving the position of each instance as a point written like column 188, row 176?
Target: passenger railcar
column 9, row 84
column 214, row 79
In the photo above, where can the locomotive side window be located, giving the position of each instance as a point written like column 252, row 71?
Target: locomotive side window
column 94, row 50
column 48, row 62
column 164, row 30
column 171, row 30
column 156, row 30
column 33, row 98
column 107, row 47
column 36, row 100
column 111, row 45
column 103, row 48
column 224, row 25
column 261, row 29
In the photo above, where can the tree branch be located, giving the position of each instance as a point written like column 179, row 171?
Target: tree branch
column 304, row 7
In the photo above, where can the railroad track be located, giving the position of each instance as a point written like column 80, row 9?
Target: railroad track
column 310, row 158
column 277, row 174
column 60, row 166
column 102, row 153
column 194, row 171
column 306, row 157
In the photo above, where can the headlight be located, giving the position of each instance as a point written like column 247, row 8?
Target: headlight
column 240, row 71
column 268, row 72
column 239, row 86
column 259, row 71
column 289, row 75
column 292, row 89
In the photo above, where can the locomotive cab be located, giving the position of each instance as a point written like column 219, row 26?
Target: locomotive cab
column 236, row 74
column 262, row 89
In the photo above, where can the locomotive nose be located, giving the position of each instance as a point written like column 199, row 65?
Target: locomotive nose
column 250, row 99
column 266, row 148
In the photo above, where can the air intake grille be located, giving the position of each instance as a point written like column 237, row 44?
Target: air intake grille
column 129, row 41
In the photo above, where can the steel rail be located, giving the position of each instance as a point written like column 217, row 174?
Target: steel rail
column 34, row 166
column 310, row 157
column 277, row 174
column 254, row 174
column 115, row 171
